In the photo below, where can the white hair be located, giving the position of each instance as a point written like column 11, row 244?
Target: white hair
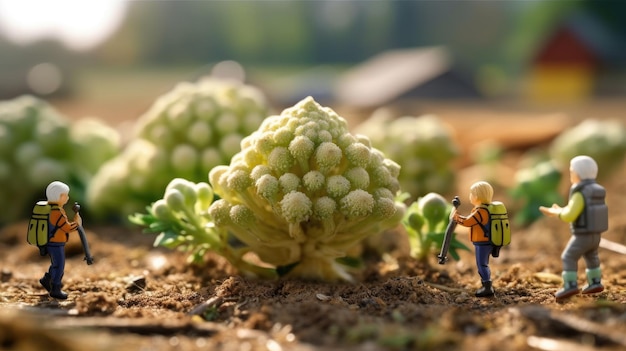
column 55, row 189
column 584, row 166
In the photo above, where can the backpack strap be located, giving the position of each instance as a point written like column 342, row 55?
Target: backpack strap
column 54, row 226
column 487, row 226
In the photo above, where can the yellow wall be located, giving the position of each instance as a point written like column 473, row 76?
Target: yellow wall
column 560, row 83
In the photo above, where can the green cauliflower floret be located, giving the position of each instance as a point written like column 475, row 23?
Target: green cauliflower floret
column 604, row 141
column 303, row 190
column 424, row 146
column 39, row 145
column 184, row 134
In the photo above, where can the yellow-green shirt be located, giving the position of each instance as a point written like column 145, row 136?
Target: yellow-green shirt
column 574, row 208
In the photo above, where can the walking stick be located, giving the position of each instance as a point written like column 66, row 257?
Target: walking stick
column 443, row 255
column 83, row 237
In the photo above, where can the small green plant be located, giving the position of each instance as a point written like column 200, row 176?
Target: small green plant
column 425, row 222
column 536, row 185
column 183, row 223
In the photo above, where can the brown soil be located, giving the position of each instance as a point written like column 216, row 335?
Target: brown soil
column 136, row 297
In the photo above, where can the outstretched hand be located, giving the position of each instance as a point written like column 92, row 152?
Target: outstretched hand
column 553, row 211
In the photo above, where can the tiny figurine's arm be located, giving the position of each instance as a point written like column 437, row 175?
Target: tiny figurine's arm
column 568, row 213
column 470, row 220
column 573, row 209
column 61, row 222
column 553, row 211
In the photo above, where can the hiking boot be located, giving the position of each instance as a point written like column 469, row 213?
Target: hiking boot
column 593, row 281
column 57, row 293
column 593, row 288
column 566, row 292
column 486, row 290
column 570, row 285
column 45, row 282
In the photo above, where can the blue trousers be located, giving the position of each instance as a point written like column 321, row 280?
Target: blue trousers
column 57, row 262
column 482, row 260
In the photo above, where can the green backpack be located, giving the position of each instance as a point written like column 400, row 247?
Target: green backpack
column 498, row 228
column 39, row 228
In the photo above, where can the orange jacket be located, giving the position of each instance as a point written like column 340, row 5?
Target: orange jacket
column 478, row 218
column 58, row 218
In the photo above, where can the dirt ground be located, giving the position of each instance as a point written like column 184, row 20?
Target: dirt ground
column 139, row 298
column 136, row 297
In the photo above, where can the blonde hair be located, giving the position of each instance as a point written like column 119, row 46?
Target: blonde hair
column 55, row 189
column 482, row 191
column 584, row 166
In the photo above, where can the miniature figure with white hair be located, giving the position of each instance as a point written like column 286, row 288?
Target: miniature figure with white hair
column 588, row 216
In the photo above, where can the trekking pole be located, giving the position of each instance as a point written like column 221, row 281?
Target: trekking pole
column 83, row 237
column 443, row 255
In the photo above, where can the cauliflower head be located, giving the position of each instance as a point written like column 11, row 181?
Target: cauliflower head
column 603, row 140
column 184, row 134
column 424, row 146
column 303, row 190
column 38, row 145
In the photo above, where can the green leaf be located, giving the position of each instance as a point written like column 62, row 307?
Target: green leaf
column 168, row 239
column 141, row 219
column 436, row 237
column 158, row 227
column 458, row 244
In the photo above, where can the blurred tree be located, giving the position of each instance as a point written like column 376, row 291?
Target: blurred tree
column 17, row 63
column 529, row 30
column 613, row 13
column 274, row 32
column 303, row 32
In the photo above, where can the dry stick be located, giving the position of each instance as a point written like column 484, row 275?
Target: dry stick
column 139, row 326
column 539, row 314
column 549, row 344
column 444, row 288
column 212, row 302
column 613, row 246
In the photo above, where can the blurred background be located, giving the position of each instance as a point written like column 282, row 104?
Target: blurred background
column 527, row 69
column 111, row 58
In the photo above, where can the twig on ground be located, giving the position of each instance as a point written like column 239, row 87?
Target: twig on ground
column 549, row 344
column 613, row 246
column 212, row 302
column 568, row 321
column 444, row 288
column 140, row 326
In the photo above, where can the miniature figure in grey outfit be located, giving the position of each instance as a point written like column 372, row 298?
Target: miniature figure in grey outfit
column 587, row 214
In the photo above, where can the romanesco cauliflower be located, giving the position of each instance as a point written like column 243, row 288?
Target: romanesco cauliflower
column 424, row 146
column 39, row 145
column 184, row 134
column 303, row 190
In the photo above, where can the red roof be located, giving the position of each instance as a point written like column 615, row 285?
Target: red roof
column 566, row 47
